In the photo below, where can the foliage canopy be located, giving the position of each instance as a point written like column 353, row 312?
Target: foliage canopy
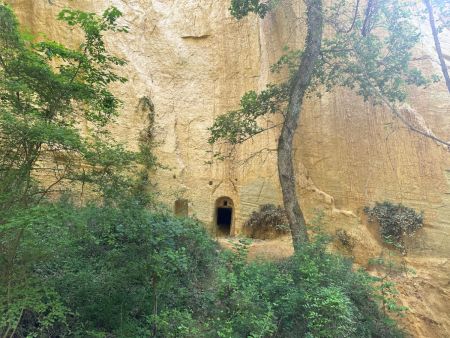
column 48, row 93
column 372, row 58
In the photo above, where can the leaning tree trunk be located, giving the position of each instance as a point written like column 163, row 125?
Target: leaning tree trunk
column 299, row 88
column 437, row 43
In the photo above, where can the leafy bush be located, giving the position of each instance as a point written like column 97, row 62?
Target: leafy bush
column 100, row 270
column 396, row 221
column 240, row 8
column 269, row 218
column 312, row 294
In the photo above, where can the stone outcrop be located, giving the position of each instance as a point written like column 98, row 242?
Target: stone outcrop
column 193, row 61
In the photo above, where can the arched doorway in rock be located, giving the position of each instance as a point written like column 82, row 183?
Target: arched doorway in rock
column 181, row 207
column 224, row 216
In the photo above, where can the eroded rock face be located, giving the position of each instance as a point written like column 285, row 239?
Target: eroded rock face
column 193, row 61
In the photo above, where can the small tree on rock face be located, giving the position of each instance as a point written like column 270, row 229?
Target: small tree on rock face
column 46, row 91
column 369, row 52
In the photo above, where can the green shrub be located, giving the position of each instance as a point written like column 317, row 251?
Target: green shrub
column 101, row 271
column 396, row 221
column 173, row 323
column 312, row 294
column 269, row 219
column 105, row 268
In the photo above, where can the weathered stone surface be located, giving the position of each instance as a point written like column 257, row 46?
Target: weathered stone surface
column 194, row 61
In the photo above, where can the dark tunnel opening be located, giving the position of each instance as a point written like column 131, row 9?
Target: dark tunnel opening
column 224, row 219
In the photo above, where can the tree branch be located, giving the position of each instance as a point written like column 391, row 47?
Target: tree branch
column 437, row 43
column 355, row 15
column 259, row 132
column 412, row 127
column 395, row 111
column 371, row 4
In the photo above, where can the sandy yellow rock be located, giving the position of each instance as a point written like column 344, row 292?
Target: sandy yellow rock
column 194, row 61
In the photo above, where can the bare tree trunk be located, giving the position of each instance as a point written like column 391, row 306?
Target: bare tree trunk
column 299, row 88
column 437, row 43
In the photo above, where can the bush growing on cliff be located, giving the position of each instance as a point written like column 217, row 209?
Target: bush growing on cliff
column 268, row 219
column 396, row 222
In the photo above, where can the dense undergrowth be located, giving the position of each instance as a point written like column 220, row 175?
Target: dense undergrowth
column 124, row 271
column 123, row 267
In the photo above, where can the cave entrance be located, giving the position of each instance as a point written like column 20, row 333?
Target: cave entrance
column 181, row 207
column 224, row 216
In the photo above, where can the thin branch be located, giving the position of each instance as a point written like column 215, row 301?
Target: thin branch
column 2, row 63
column 412, row 127
column 407, row 123
column 18, row 322
column 422, row 58
column 259, row 132
column 232, row 149
column 400, row 116
column 437, row 43
column 355, row 15
column 48, row 189
column 254, row 154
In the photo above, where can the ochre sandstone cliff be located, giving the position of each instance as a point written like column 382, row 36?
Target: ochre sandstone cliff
column 193, row 61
